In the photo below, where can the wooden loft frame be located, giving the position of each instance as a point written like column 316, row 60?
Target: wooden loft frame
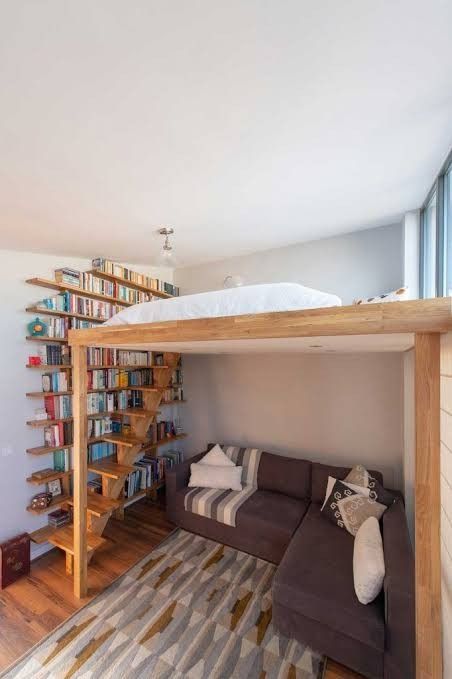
column 423, row 320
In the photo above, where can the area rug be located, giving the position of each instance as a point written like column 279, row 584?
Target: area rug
column 191, row 608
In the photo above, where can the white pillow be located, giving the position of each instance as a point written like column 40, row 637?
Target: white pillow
column 216, row 457
column 209, row 476
column 361, row 490
column 368, row 561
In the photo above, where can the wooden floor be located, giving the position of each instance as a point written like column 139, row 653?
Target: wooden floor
column 34, row 606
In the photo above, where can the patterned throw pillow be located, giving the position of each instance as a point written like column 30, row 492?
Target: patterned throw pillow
column 393, row 296
column 359, row 476
column 348, row 509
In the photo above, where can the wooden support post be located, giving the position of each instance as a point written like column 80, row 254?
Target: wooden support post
column 427, row 507
column 80, row 463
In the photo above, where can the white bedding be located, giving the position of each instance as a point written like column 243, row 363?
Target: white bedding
column 249, row 299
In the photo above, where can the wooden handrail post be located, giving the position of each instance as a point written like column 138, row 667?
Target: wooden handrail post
column 427, row 507
column 80, row 463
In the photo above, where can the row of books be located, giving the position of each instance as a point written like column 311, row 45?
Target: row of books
column 99, row 426
column 58, row 407
column 101, row 356
column 55, row 381
column 97, row 451
column 60, row 434
column 107, row 402
column 62, row 460
column 114, row 269
column 58, row 327
column 173, row 394
column 111, row 378
column 51, row 354
column 70, row 302
column 92, row 283
column 177, row 377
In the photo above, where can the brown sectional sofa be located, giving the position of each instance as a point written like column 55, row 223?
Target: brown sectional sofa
column 313, row 593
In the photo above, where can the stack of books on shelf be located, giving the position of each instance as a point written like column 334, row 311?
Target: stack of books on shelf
column 59, row 517
column 99, row 426
column 107, row 402
column 169, row 458
column 113, row 269
column 97, row 451
column 95, row 485
column 112, row 378
column 173, row 394
column 58, row 407
column 55, row 381
column 50, row 354
column 70, row 302
column 176, row 379
column 60, row 434
column 113, row 357
column 62, row 460
column 67, row 276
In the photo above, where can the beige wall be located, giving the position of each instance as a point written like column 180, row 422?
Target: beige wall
column 446, row 499
column 342, row 409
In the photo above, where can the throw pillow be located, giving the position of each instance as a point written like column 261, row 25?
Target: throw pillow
column 359, row 476
column 348, row 509
column 210, row 476
column 393, row 296
column 368, row 561
column 216, row 457
column 360, row 490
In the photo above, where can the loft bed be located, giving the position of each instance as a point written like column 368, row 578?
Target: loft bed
column 395, row 327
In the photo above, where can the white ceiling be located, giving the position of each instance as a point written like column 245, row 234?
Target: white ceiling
column 244, row 124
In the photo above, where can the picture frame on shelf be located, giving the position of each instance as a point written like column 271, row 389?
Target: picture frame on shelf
column 54, row 487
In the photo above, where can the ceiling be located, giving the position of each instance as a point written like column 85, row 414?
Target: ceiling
column 245, row 124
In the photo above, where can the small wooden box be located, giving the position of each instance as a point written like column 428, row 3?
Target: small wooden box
column 14, row 559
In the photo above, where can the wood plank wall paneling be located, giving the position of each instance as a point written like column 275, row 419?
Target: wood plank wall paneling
column 446, row 500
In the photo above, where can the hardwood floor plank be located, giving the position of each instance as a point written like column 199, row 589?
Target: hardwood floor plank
column 34, row 606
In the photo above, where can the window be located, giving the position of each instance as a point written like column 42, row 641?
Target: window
column 436, row 237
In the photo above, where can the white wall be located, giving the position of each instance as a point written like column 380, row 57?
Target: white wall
column 15, row 407
column 341, row 409
column 359, row 264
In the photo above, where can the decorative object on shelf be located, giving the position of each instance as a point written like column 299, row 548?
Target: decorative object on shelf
column 233, row 281
column 37, row 328
column 34, row 360
column 41, row 501
column 54, row 487
column 14, row 559
column 166, row 257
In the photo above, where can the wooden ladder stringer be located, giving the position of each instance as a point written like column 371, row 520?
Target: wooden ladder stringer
column 126, row 454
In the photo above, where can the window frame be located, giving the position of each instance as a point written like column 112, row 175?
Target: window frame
column 440, row 232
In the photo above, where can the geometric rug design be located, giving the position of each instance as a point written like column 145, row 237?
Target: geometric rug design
column 192, row 608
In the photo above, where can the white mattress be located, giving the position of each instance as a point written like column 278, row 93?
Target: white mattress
column 249, row 299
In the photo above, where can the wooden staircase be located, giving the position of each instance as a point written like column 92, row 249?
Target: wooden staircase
column 112, row 470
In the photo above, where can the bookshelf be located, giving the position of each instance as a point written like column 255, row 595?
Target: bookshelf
column 127, row 393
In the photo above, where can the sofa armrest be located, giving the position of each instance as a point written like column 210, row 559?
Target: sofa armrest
column 177, row 478
column 399, row 595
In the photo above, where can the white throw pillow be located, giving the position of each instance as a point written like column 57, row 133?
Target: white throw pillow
column 209, row 476
column 216, row 457
column 368, row 561
column 361, row 490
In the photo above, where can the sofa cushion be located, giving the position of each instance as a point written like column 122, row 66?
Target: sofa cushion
column 265, row 523
column 286, row 475
column 315, row 579
column 320, row 474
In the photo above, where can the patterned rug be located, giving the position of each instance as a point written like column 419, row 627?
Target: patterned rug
column 191, row 608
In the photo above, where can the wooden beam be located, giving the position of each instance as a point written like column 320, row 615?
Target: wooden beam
column 80, row 463
column 427, row 507
column 431, row 315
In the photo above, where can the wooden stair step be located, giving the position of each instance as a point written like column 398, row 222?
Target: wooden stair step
column 99, row 505
column 110, row 468
column 137, row 412
column 123, row 440
column 42, row 534
column 64, row 539
column 57, row 501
